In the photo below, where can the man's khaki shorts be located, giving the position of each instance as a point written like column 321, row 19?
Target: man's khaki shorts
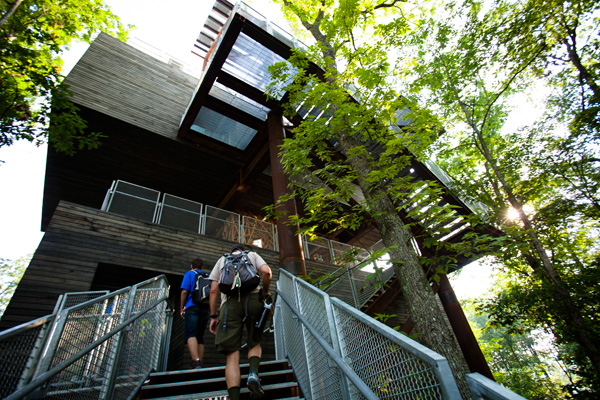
column 238, row 314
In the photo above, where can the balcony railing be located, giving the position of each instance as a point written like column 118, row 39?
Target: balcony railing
column 165, row 209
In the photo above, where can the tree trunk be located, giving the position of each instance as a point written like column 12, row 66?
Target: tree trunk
column 428, row 316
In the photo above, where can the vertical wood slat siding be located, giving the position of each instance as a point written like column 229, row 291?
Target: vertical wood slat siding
column 123, row 82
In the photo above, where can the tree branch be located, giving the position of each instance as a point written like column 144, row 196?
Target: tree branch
column 10, row 12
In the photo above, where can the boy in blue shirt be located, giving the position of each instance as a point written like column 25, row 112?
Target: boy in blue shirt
column 195, row 316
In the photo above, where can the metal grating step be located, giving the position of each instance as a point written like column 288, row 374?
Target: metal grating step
column 269, row 390
column 277, row 378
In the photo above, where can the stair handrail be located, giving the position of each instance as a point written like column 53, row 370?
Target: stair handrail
column 317, row 332
column 484, row 388
column 110, row 325
column 21, row 345
column 362, row 290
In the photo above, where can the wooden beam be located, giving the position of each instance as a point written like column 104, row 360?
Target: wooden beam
column 232, row 29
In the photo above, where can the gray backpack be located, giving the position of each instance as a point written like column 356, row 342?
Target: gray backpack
column 239, row 275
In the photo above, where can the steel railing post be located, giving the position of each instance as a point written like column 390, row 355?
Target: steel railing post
column 34, row 357
column 51, row 345
column 166, row 340
column 298, row 302
column 200, row 219
column 108, row 197
column 353, row 289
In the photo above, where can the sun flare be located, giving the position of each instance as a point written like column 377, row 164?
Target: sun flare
column 512, row 214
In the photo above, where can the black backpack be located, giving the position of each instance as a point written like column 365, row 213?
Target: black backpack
column 201, row 290
column 239, row 275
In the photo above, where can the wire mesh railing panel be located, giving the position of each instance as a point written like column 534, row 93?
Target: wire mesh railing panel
column 133, row 207
column 369, row 282
column 317, row 249
column 136, row 191
column 85, row 378
column 259, row 233
column 180, row 213
column 343, row 254
column 341, row 289
column 141, row 344
column 293, row 338
column 325, row 381
column 134, row 201
column 104, row 348
column 389, row 370
column 75, row 298
column 222, row 224
column 18, row 352
column 350, row 355
column 311, row 303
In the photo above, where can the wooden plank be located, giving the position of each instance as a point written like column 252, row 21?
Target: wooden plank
column 122, row 82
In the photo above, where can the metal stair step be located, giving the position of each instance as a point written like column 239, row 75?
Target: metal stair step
column 277, row 379
column 182, row 376
column 244, row 392
column 208, row 381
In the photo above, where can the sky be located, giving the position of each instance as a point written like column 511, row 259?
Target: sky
column 169, row 29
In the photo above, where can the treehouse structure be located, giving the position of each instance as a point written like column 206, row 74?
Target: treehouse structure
column 186, row 166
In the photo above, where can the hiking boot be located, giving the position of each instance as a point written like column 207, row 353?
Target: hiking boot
column 196, row 364
column 253, row 384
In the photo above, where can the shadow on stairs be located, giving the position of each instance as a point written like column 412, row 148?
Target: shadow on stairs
column 277, row 379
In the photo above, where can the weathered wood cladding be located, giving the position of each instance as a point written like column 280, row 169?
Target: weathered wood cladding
column 137, row 102
column 124, row 83
column 80, row 241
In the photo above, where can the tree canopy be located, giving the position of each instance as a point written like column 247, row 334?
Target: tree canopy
column 458, row 68
column 11, row 273
column 33, row 33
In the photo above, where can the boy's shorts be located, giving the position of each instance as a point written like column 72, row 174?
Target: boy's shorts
column 236, row 318
column 195, row 321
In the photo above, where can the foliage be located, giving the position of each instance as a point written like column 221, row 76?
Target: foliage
column 518, row 360
column 458, row 67
column 469, row 67
column 525, row 303
column 11, row 273
column 32, row 35
column 345, row 159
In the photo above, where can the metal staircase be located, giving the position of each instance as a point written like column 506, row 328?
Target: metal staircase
column 277, row 379
column 110, row 346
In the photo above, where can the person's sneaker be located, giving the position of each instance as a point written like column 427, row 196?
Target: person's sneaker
column 196, row 364
column 253, row 384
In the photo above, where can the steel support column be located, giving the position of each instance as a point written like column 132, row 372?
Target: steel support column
column 462, row 329
column 291, row 257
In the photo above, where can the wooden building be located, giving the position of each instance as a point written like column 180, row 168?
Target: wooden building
column 205, row 140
